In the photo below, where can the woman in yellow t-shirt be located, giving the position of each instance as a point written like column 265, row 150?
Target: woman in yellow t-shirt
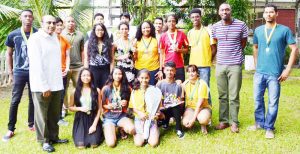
column 138, row 105
column 196, row 100
column 145, row 51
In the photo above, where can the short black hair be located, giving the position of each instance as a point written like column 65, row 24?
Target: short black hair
column 58, row 19
column 195, row 10
column 170, row 64
column 123, row 23
column 125, row 14
column 98, row 14
column 172, row 15
column 159, row 18
column 26, row 10
column 272, row 5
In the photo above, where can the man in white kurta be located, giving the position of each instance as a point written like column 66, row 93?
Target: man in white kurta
column 46, row 82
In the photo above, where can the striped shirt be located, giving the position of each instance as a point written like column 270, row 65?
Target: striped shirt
column 229, row 37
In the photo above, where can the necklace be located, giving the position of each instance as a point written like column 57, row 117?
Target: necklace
column 228, row 29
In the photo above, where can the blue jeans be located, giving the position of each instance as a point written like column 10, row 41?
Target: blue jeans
column 153, row 80
column 205, row 75
column 261, row 83
column 19, row 82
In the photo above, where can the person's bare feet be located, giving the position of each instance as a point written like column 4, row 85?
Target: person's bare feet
column 204, row 129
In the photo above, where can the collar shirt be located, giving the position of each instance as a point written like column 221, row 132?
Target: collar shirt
column 44, row 54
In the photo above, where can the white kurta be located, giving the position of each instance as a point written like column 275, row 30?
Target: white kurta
column 44, row 54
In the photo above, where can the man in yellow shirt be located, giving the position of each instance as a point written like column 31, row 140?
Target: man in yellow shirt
column 203, row 48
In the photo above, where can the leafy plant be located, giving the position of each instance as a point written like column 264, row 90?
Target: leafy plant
column 10, row 11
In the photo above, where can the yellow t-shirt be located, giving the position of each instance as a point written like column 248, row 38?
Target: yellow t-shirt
column 200, row 42
column 137, row 101
column 195, row 91
column 148, row 59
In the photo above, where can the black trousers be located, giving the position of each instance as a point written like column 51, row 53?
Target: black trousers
column 173, row 112
column 19, row 83
column 100, row 75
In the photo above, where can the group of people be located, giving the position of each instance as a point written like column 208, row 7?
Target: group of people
column 112, row 71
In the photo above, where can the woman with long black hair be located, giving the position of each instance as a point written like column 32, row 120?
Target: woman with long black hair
column 99, row 54
column 146, row 53
column 115, row 97
column 86, row 102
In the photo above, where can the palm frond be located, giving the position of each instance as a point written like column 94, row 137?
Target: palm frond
column 82, row 13
column 8, row 12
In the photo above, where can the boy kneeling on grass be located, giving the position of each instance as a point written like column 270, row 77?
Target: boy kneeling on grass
column 172, row 98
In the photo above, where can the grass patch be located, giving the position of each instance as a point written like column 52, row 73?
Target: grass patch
column 286, row 140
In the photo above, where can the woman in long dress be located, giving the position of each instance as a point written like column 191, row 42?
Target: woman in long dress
column 86, row 102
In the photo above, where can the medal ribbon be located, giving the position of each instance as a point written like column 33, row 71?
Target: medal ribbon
column 173, row 41
column 268, row 38
column 125, row 49
column 191, row 96
column 116, row 95
column 145, row 45
column 197, row 38
column 72, row 39
column 24, row 35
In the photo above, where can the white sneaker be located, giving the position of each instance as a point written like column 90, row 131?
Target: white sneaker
column 180, row 134
column 254, row 128
column 62, row 122
column 270, row 134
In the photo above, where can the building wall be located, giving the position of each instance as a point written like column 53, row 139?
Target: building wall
column 286, row 12
column 285, row 17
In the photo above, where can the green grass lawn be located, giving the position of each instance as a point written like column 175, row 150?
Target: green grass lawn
column 286, row 137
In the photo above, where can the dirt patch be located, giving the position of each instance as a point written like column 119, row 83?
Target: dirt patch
column 5, row 92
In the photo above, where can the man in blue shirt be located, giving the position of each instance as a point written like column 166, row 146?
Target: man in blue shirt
column 269, row 44
column 18, row 68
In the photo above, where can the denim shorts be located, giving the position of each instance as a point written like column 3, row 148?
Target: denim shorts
column 113, row 121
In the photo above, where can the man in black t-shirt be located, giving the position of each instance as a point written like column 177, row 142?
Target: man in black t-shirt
column 18, row 68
